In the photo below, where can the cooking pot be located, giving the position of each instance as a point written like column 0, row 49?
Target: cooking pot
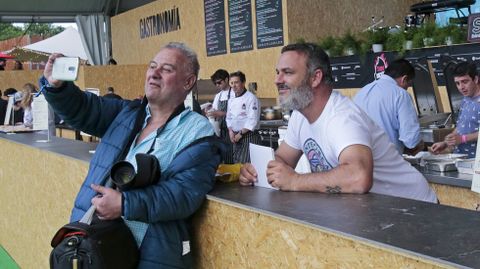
column 272, row 114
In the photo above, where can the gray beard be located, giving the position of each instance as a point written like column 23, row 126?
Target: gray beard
column 298, row 98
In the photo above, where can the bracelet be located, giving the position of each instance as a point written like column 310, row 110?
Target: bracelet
column 464, row 139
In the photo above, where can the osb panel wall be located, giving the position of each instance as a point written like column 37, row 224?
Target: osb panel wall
column 127, row 80
column 37, row 190
column 128, row 48
column 232, row 237
column 16, row 79
column 312, row 20
column 456, row 196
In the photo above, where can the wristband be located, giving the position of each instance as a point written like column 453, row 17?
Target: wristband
column 464, row 139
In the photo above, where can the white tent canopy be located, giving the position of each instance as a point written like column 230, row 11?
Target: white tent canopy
column 67, row 42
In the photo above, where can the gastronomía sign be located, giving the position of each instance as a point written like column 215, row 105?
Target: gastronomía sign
column 160, row 23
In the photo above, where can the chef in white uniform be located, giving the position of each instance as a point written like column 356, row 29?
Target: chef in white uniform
column 243, row 117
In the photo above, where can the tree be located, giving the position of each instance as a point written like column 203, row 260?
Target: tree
column 8, row 30
column 43, row 29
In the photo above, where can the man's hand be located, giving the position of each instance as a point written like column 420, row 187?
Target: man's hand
column 439, row 147
column 248, row 175
column 231, row 134
column 216, row 113
column 281, row 176
column 108, row 203
column 237, row 137
column 453, row 139
column 47, row 72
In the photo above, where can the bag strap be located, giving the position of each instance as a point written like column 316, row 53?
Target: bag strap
column 88, row 216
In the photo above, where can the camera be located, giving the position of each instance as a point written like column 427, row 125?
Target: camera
column 125, row 178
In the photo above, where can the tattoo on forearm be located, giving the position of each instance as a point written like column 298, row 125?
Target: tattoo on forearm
column 335, row 189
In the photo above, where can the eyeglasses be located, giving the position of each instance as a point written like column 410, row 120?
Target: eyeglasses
column 218, row 82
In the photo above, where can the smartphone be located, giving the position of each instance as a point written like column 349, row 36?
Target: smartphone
column 65, row 68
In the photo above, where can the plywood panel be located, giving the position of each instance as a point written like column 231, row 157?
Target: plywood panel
column 456, row 196
column 16, row 79
column 127, row 80
column 232, row 237
column 312, row 20
column 36, row 193
column 128, row 48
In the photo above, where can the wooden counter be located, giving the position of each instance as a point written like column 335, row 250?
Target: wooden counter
column 241, row 227
column 453, row 188
column 248, row 227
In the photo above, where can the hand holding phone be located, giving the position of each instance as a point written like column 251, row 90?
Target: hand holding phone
column 65, row 68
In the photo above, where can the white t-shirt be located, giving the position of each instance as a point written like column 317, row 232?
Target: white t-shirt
column 222, row 96
column 343, row 124
column 243, row 112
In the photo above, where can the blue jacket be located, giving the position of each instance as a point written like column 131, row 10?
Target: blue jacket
column 167, row 205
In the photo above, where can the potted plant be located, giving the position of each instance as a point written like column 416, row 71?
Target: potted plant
column 428, row 31
column 453, row 34
column 408, row 33
column 395, row 42
column 327, row 44
column 350, row 44
column 300, row 40
column 376, row 38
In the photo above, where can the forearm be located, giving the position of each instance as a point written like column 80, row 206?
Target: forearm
column 455, row 139
column 413, row 151
column 472, row 137
column 345, row 178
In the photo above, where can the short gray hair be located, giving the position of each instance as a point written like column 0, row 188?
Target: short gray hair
column 191, row 56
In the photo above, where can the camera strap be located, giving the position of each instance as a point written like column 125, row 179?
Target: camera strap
column 175, row 113
column 139, row 120
column 136, row 127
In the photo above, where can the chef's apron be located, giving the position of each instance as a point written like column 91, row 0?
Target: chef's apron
column 228, row 154
column 241, row 149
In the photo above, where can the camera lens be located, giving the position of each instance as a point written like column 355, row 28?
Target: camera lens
column 123, row 174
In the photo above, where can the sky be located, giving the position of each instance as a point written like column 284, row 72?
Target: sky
column 442, row 17
column 64, row 25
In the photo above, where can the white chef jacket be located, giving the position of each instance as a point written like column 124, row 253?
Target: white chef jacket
column 243, row 112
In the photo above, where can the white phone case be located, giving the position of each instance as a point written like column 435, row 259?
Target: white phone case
column 65, row 68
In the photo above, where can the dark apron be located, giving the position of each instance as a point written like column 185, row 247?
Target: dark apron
column 228, row 154
column 241, row 149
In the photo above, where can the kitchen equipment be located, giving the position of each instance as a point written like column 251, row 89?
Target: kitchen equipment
column 268, row 132
column 465, row 166
column 414, row 160
column 441, row 166
column 443, row 162
column 432, row 135
column 271, row 114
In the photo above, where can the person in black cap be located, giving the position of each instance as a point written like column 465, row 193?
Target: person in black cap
column 111, row 94
column 3, row 62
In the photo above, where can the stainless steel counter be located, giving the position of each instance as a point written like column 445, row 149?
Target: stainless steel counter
column 447, row 178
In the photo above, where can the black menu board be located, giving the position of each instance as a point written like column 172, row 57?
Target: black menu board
column 240, row 21
column 357, row 71
column 215, row 27
column 269, row 23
